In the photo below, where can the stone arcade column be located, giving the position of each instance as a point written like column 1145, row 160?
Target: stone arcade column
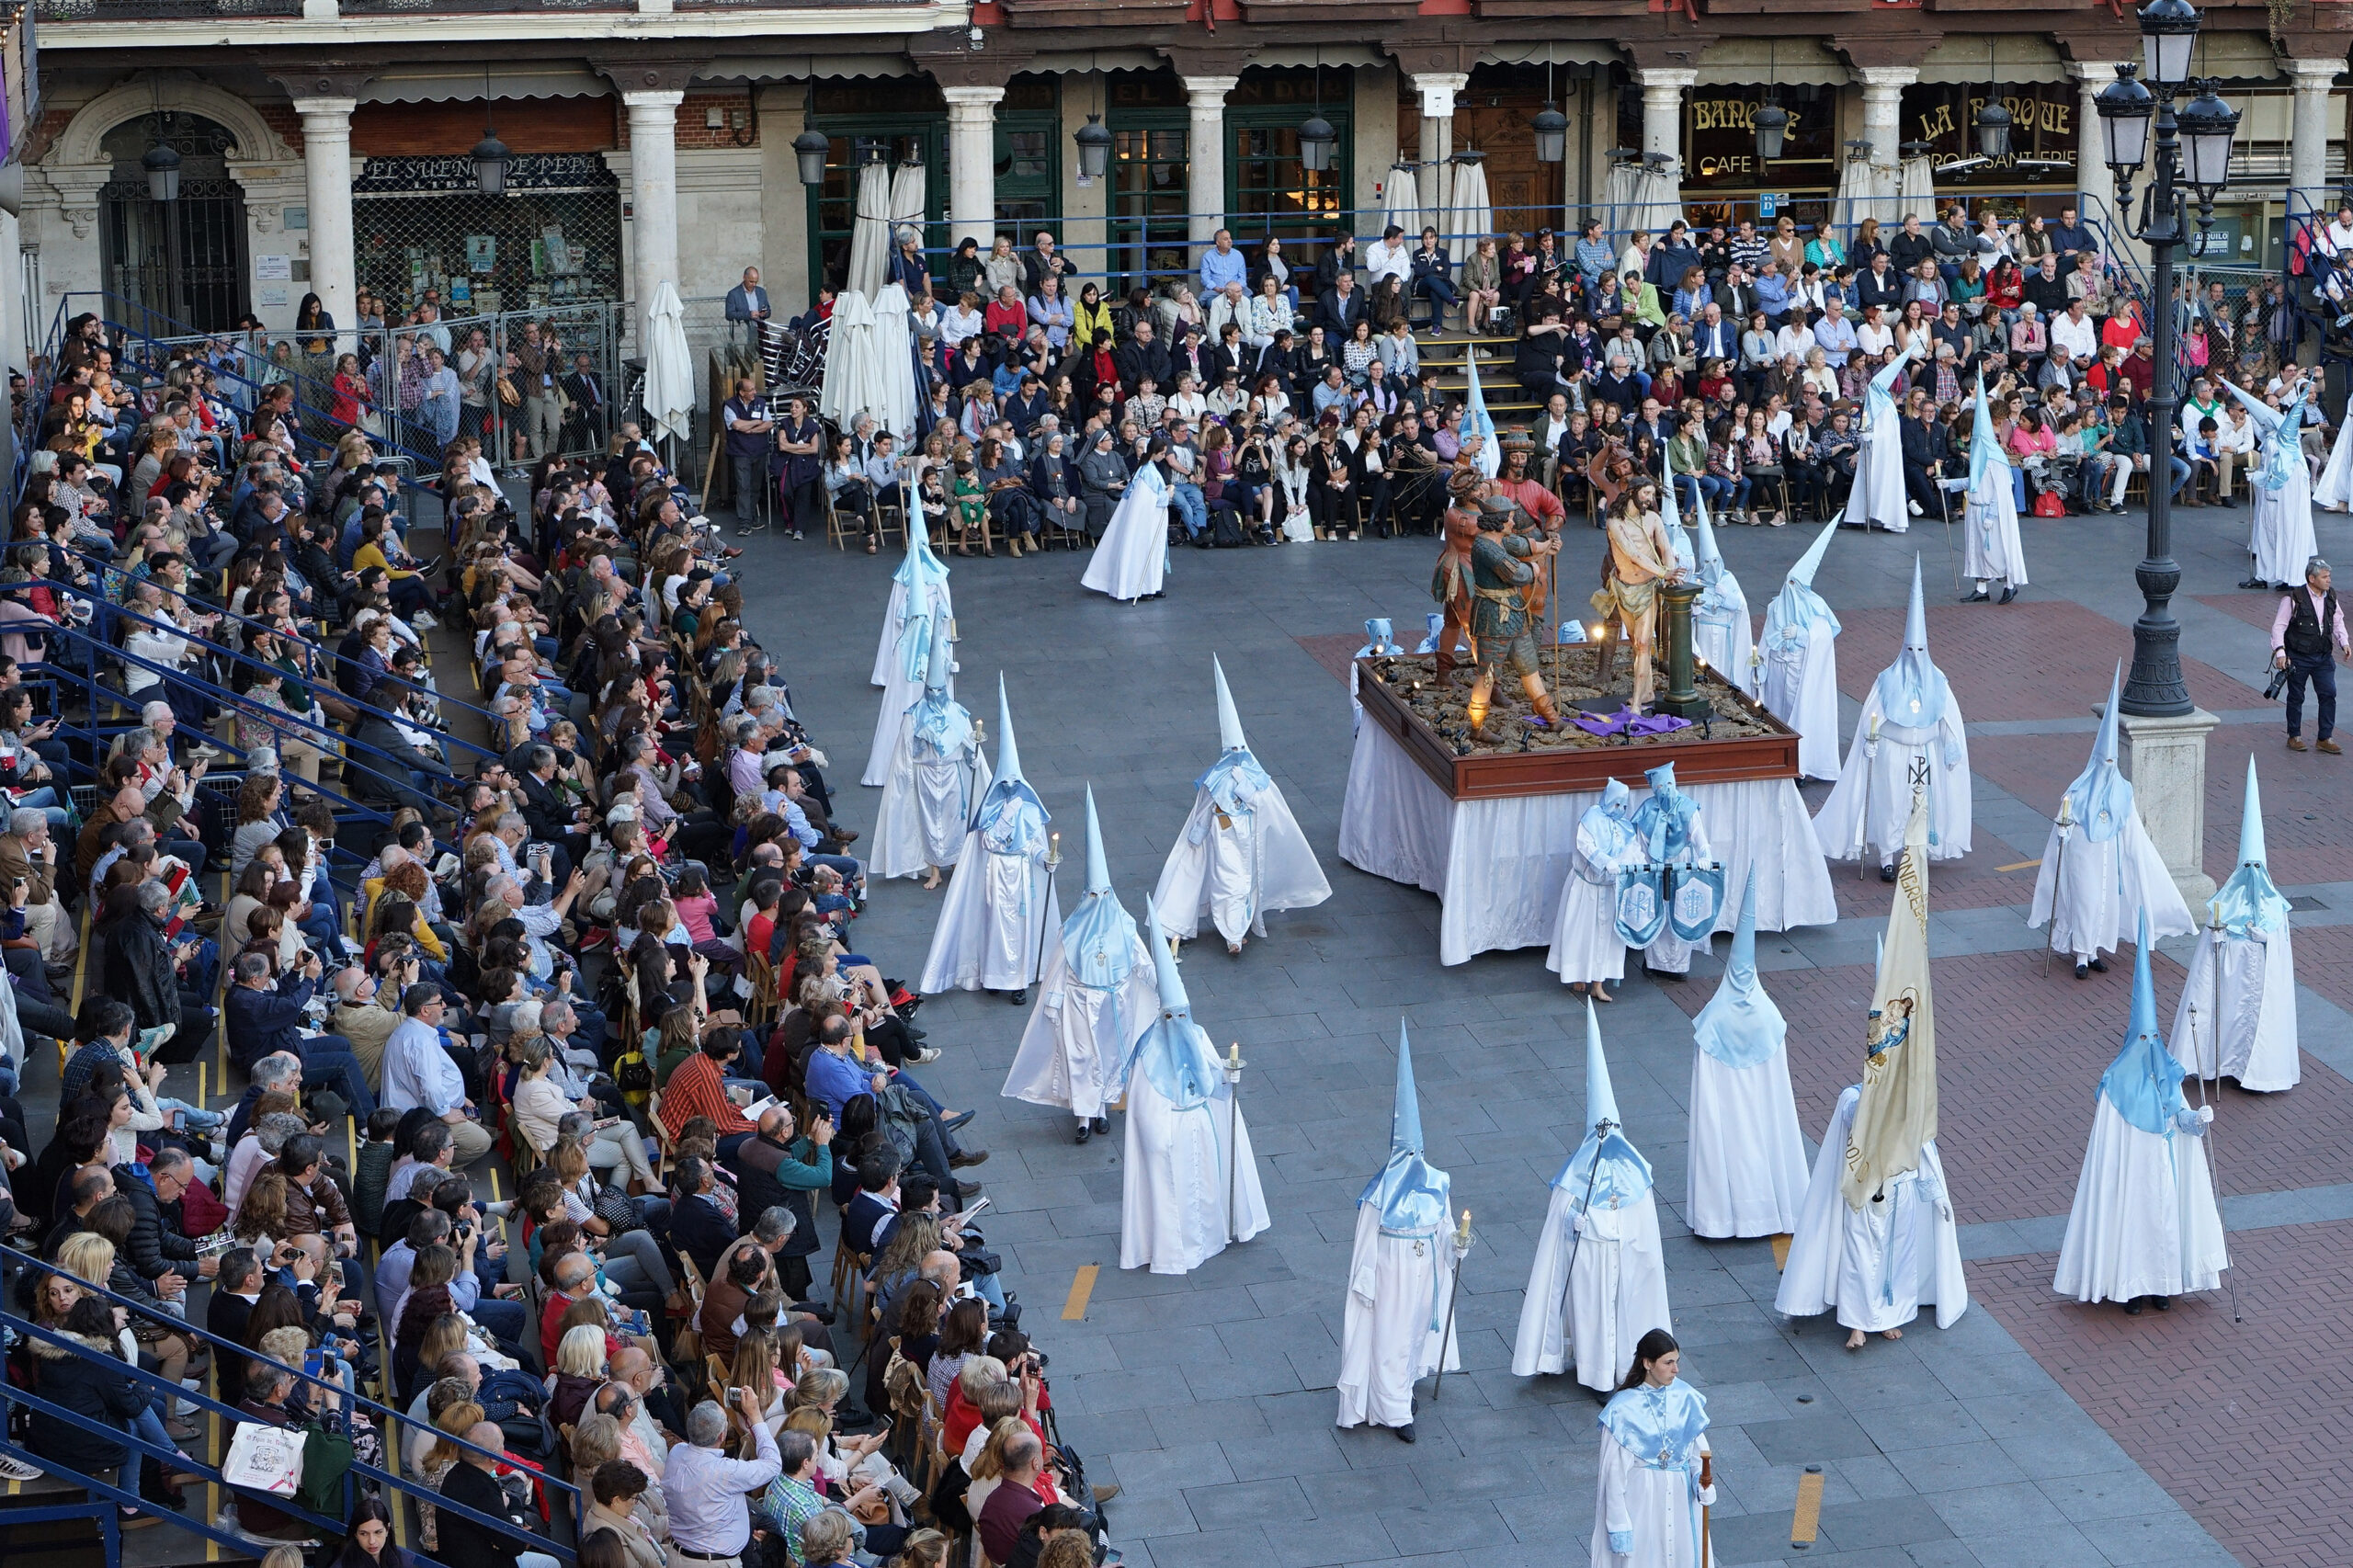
column 326, row 169
column 1883, row 128
column 1663, row 108
column 1205, row 147
column 2313, row 81
column 971, row 162
column 654, row 196
column 1437, row 89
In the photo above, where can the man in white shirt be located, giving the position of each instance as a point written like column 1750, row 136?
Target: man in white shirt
column 1795, row 338
column 2076, row 332
column 1389, row 257
column 710, row 1521
column 2235, row 443
column 1835, row 335
column 418, row 1072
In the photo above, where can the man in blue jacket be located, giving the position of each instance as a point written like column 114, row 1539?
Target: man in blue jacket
column 263, row 1018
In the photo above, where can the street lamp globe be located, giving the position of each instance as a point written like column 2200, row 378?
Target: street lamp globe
column 1316, row 140
column 810, row 150
column 2126, row 108
column 2168, row 33
column 491, row 158
column 1094, row 147
column 1993, row 129
column 1772, row 129
column 2208, row 126
column 1552, row 127
column 162, row 162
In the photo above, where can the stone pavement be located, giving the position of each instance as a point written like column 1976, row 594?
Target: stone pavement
column 2032, row 1432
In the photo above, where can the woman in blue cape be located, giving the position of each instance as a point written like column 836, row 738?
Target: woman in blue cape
column 1655, row 1485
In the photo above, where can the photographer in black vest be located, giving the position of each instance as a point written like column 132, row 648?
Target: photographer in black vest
column 2311, row 620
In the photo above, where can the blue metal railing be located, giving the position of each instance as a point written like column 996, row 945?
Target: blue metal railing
column 386, row 1420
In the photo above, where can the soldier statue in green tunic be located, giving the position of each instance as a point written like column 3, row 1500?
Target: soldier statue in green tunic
column 1504, row 580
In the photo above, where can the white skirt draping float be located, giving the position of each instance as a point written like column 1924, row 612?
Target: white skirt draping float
column 1236, row 873
column 996, row 909
column 2255, row 1003
column 1077, row 1042
column 1747, row 1157
column 2108, row 885
column 1499, row 866
column 1397, row 1286
column 2143, row 1223
column 1173, row 1192
column 1591, row 1299
column 1131, row 558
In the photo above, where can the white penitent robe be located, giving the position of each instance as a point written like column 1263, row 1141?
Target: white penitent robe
column 886, row 646
column 2334, row 489
column 2256, row 1004
column 1657, row 1505
column 900, row 692
column 1395, row 1327
column 2280, row 537
column 1990, row 551
column 2143, row 1223
column 2107, row 884
column 1586, row 944
column 1615, row 1294
column 1877, row 1265
column 1799, row 685
column 990, row 921
column 1864, row 817
column 1176, row 1191
column 1078, row 1037
column 1879, row 469
column 1720, row 632
column 1235, row 865
column 1747, row 1157
column 927, row 805
column 1131, row 558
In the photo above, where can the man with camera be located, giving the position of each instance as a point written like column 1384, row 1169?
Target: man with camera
column 776, row 1170
column 419, row 1071
column 267, row 1015
column 2309, row 629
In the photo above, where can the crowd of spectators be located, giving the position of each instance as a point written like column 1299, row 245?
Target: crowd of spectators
column 602, row 947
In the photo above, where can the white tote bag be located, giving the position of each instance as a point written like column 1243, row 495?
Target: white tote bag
column 265, row 1459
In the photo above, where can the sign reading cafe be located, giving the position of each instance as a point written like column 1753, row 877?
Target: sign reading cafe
column 1720, row 143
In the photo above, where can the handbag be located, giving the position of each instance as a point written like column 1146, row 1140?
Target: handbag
column 263, row 1457
column 2049, row 503
column 507, row 396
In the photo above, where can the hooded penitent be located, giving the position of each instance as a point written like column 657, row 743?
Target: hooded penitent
column 2249, row 902
column 1605, row 1166
column 1235, row 772
column 1175, row 1054
column 2101, row 796
column 1912, row 691
column 2145, row 1080
column 1010, row 819
column 1797, row 608
column 1740, row 1027
column 1411, row 1193
column 940, row 721
column 1098, row 940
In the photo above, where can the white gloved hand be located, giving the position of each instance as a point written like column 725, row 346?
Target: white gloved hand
column 1707, row 1497
column 2206, row 1116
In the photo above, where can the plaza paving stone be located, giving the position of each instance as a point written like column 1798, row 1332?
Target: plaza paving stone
column 2033, row 1431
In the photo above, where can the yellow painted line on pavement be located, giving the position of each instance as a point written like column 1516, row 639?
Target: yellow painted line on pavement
column 2018, row 865
column 1082, row 1287
column 1780, row 1251
column 1807, row 1522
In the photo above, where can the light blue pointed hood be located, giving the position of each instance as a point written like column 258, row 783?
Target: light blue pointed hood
column 1912, row 691
column 2249, row 901
column 2101, row 795
column 1435, row 621
column 1174, row 1055
column 1380, row 637
column 2145, row 1080
column 1740, row 1027
column 1010, row 817
column 941, row 722
column 1235, row 777
column 1797, row 609
column 1605, row 1163
column 1878, row 400
column 921, row 569
column 1099, row 937
column 1413, row 1195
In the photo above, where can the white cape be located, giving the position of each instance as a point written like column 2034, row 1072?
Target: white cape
column 1617, row 1294
column 2108, row 885
column 1395, row 1325
column 1747, row 1157
column 1077, row 1043
column 1800, row 687
column 1656, row 1505
column 997, row 907
column 1722, row 638
column 1990, row 551
column 1865, row 814
column 1132, row 557
column 2334, row 489
column 1879, row 476
column 1586, row 944
column 1175, row 1193
column 2280, row 536
column 2257, row 1005
column 2143, row 1223
column 1237, row 872
column 1879, row 1267
column 926, row 803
